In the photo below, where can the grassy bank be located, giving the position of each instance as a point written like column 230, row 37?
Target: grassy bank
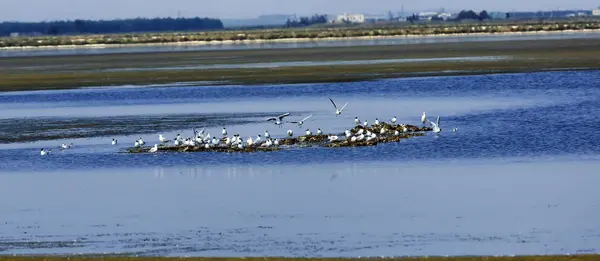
column 320, row 32
column 64, row 72
column 433, row 258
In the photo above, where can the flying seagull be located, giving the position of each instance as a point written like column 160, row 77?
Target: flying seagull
column 338, row 111
column 278, row 119
column 302, row 121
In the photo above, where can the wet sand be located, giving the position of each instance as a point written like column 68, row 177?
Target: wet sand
column 66, row 72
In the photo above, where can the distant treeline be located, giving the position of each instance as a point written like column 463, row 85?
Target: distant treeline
column 109, row 26
column 306, row 21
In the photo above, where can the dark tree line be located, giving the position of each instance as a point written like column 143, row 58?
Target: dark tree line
column 471, row 15
column 306, row 21
column 110, row 26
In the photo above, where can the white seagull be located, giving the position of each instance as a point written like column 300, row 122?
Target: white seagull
column 319, row 131
column 154, row 149
column 278, row 119
column 376, row 121
column 142, row 142
column 290, row 133
column 302, row 121
column 423, row 118
column 333, row 138
column 267, row 135
column 308, row 132
column 393, row 120
column 114, row 142
column 338, row 111
column 44, row 153
column 162, row 139
column 224, row 131
column 356, row 121
column 436, row 125
column 137, row 143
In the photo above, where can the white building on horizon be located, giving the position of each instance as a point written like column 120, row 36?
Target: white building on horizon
column 351, row 18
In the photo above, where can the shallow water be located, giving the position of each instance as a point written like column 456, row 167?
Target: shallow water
column 301, row 44
column 518, row 177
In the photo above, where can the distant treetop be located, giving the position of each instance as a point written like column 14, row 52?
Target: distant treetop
column 109, row 26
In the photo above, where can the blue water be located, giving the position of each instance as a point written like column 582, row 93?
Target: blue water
column 518, row 177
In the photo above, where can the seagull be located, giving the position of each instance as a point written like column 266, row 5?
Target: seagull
column 436, row 125
column 360, row 131
column 393, row 120
column 137, row 144
column 66, row 146
column 44, row 153
column 249, row 141
column 178, row 138
column 258, row 139
column 176, row 142
column 454, row 130
column 338, row 111
column 396, row 133
column 215, row 141
column 366, row 123
column 114, row 142
column 276, row 142
column 162, row 139
column 278, row 119
column 290, row 133
column 382, row 131
column 348, row 133
column 302, row 121
column 360, row 137
column 356, row 121
column 154, row 149
column 404, row 129
column 224, row 131
column 267, row 135
column 319, row 131
column 423, row 118
column 353, row 139
column 142, row 142
column 376, row 121
column 333, row 138
column 308, row 133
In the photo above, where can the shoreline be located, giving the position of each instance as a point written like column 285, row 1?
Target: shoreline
column 292, row 40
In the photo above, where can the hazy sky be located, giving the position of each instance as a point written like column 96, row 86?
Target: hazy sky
column 34, row 10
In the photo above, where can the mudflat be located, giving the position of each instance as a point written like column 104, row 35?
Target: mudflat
column 302, row 65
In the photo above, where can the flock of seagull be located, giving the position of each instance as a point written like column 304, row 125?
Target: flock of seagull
column 203, row 138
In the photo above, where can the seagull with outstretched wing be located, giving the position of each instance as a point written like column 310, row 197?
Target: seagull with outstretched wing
column 338, row 111
column 279, row 119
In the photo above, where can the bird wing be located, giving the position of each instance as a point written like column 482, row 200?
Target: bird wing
column 307, row 117
column 438, row 121
column 294, row 122
column 272, row 119
column 335, row 106
column 432, row 123
column 283, row 115
column 344, row 106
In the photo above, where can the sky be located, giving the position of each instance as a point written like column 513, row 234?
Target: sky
column 39, row 10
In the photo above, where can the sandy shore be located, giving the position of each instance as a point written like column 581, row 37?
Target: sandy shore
column 294, row 40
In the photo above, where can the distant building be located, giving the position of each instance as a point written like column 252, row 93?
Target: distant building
column 596, row 12
column 351, row 18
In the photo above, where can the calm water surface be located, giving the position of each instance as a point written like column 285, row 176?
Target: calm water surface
column 518, row 177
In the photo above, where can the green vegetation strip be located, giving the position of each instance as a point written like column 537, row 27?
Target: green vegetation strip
column 431, row 258
column 64, row 72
